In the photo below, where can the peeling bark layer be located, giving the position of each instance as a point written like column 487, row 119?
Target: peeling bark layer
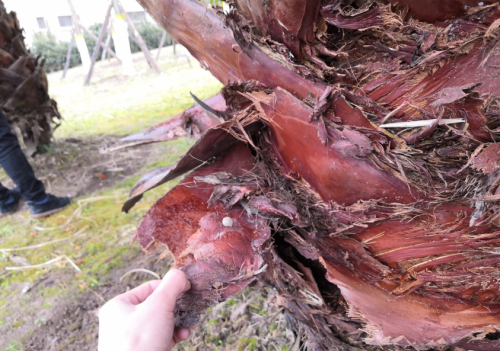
column 355, row 169
column 191, row 123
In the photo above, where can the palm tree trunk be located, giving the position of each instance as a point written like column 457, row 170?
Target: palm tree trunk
column 24, row 87
column 374, row 234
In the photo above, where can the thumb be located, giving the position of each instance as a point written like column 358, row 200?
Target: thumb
column 171, row 287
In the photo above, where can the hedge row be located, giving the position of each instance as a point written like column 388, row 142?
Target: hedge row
column 55, row 51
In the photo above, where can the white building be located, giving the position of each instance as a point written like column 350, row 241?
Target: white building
column 55, row 15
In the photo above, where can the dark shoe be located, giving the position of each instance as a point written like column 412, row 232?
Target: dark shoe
column 10, row 205
column 48, row 206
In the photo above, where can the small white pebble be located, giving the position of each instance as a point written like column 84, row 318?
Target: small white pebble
column 227, row 222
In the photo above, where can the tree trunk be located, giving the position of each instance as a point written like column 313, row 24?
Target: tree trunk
column 24, row 87
column 374, row 234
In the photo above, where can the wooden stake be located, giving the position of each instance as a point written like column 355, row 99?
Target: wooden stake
column 68, row 56
column 98, row 45
column 162, row 42
column 174, row 43
column 76, row 23
column 80, row 41
column 104, row 46
column 108, row 41
column 120, row 35
column 138, row 39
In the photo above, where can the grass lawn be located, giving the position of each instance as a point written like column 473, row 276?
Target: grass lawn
column 121, row 105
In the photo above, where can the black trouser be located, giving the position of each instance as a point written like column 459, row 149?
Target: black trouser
column 17, row 167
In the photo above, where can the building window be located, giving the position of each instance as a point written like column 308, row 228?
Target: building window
column 65, row 21
column 41, row 23
column 137, row 16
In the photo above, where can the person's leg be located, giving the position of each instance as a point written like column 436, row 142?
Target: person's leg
column 4, row 193
column 15, row 164
column 9, row 199
column 17, row 167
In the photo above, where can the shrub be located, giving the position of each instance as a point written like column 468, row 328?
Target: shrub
column 95, row 29
column 54, row 51
column 151, row 33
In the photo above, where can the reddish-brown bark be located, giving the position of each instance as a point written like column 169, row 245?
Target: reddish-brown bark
column 380, row 236
column 191, row 123
column 433, row 11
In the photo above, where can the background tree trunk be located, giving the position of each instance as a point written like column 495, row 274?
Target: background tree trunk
column 374, row 234
column 24, row 87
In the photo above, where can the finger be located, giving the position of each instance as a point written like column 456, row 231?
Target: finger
column 173, row 284
column 139, row 294
column 181, row 334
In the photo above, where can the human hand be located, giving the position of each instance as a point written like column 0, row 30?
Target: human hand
column 143, row 318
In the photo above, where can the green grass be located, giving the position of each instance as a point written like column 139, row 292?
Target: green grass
column 247, row 344
column 119, row 105
column 213, row 321
column 135, row 118
column 14, row 346
column 6, row 230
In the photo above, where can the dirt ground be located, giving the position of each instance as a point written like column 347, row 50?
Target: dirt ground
column 73, row 324
column 74, row 166
column 241, row 323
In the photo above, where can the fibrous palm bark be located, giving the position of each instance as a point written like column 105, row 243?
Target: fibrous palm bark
column 372, row 235
column 24, row 87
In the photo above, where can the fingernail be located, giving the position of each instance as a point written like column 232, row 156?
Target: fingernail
column 187, row 284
